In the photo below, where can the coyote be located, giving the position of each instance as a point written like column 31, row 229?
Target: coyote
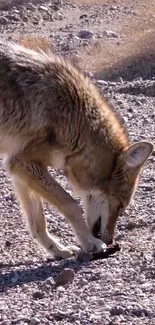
column 52, row 115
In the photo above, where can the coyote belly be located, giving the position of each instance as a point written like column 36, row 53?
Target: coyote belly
column 52, row 115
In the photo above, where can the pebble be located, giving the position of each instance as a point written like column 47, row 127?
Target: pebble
column 30, row 6
column 46, row 288
column 100, row 301
column 50, row 281
column 66, row 276
column 131, row 225
column 25, row 287
column 3, row 20
column 82, row 282
column 29, row 262
column 117, row 310
column 83, row 16
column 25, row 18
column 116, row 320
column 38, row 295
column 44, row 8
column 59, row 16
column 34, row 321
column 60, row 289
column 8, row 243
column 123, row 120
column 109, row 33
column 102, row 82
column 113, row 7
column 85, row 34
column 14, row 279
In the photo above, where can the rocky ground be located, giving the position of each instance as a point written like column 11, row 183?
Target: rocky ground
column 113, row 42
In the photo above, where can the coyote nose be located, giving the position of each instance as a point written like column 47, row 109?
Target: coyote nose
column 96, row 230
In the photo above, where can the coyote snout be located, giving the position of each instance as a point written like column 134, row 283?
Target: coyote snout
column 97, row 213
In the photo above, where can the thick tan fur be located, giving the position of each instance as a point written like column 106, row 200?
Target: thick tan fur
column 51, row 115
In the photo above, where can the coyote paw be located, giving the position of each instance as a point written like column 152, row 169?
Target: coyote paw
column 93, row 245
column 65, row 252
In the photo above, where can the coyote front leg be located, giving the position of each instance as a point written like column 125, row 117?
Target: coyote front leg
column 33, row 210
column 37, row 179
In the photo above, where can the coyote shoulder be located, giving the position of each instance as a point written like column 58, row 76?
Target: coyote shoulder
column 52, row 115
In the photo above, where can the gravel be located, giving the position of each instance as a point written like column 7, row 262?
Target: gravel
column 34, row 288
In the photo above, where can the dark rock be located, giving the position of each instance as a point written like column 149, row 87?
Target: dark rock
column 66, row 276
column 38, row 295
column 85, row 34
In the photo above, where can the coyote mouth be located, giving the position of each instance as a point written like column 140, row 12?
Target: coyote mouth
column 96, row 230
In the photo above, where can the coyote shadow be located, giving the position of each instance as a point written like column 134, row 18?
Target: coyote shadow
column 49, row 268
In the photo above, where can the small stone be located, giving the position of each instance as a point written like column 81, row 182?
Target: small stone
column 153, row 254
column 30, row 6
column 123, row 120
column 34, row 321
column 102, row 82
column 50, row 281
column 109, row 33
column 85, row 34
column 55, row 7
column 116, row 320
column 61, row 289
column 38, row 295
column 25, row 19
column 116, row 310
column 44, row 8
column 46, row 288
column 14, row 279
column 16, row 11
column 8, row 243
column 25, row 287
column 29, row 262
column 131, row 225
column 82, row 282
column 83, row 16
column 3, row 21
column 101, row 302
column 113, row 7
column 66, row 276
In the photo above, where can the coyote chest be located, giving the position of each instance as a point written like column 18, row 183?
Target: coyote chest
column 58, row 159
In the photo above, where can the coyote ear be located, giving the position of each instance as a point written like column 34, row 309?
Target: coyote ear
column 137, row 154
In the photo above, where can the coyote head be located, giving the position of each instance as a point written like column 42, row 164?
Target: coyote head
column 104, row 204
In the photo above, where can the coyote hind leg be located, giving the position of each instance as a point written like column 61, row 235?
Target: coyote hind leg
column 33, row 210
